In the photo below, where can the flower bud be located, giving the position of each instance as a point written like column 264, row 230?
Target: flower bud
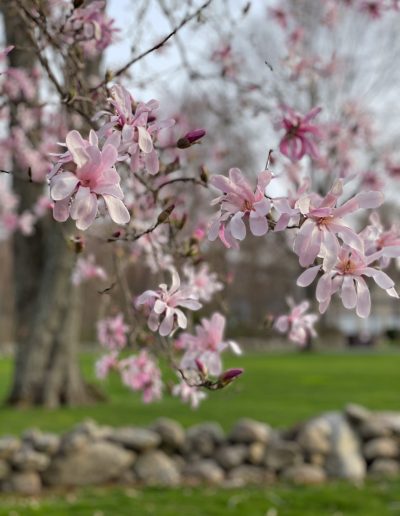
column 201, row 368
column 164, row 215
column 229, row 375
column 190, row 138
column 77, row 243
column 204, row 174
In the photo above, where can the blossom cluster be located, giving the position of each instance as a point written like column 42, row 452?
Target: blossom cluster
column 323, row 240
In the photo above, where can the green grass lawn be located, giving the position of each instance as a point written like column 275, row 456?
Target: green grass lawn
column 335, row 499
column 276, row 388
column 279, row 389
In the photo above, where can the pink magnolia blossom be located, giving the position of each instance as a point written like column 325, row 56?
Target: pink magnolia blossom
column 203, row 282
column 10, row 219
column 141, row 373
column 347, row 277
column 105, row 364
column 207, row 345
column 90, row 27
column 297, row 324
column 318, row 234
column 26, row 223
column 82, row 176
column 237, row 203
column 189, row 394
column 42, row 206
column 300, row 134
column 112, row 332
column 166, row 303
column 87, row 269
column 377, row 238
column 19, row 84
column 139, row 128
column 286, row 207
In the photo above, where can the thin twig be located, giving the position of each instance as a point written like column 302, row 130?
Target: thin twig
column 137, row 58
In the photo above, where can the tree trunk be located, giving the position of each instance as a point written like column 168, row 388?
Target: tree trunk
column 47, row 317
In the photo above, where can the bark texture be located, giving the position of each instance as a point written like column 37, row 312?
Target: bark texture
column 47, row 315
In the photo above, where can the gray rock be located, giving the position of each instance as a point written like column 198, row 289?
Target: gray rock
column 246, row 474
column 26, row 483
column 386, row 468
column 345, row 459
column 93, row 430
column 204, row 438
column 154, row 467
column 381, row 424
column 204, row 471
column 172, row 433
column 230, row 456
column 356, row 413
column 391, row 420
column 374, row 427
column 381, row 447
column 97, row 463
column 256, row 453
column 304, row 474
column 27, row 459
column 318, row 459
column 8, row 446
column 315, row 436
column 4, row 469
column 249, row 431
column 135, row 438
column 42, row 442
column 74, row 442
column 282, row 454
column 179, row 462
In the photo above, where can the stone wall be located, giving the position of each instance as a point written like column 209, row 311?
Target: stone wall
column 349, row 444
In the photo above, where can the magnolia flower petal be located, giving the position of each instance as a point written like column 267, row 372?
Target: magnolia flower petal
column 117, row 209
column 324, row 287
column 153, row 321
column 237, row 226
column 159, row 306
column 61, row 210
column 258, row 225
column 191, row 304
column 308, row 276
column 282, row 323
column 144, row 140
column 235, row 347
column 146, row 296
column 383, row 280
column 181, row 319
column 151, row 162
column 369, row 200
column 109, row 156
column 63, row 185
column 262, row 207
column 349, row 293
column 167, row 323
column 363, row 298
column 76, row 146
column 213, row 230
column 82, row 204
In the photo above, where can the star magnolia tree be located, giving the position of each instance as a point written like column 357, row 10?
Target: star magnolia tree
column 123, row 179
